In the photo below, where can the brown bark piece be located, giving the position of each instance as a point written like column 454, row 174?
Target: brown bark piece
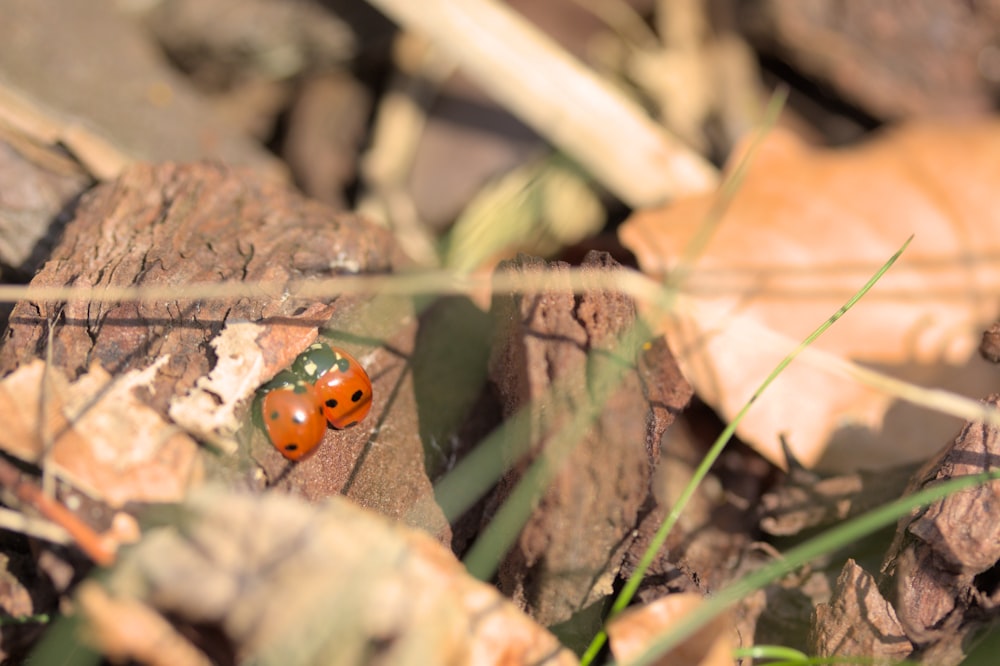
column 665, row 388
column 838, row 629
column 380, row 462
column 805, row 500
column 939, row 562
column 556, row 356
column 990, row 346
column 893, row 58
column 714, row 530
column 182, row 225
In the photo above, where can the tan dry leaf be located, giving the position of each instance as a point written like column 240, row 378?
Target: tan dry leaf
column 635, row 630
column 291, row 582
column 806, row 229
column 104, row 440
column 24, row 430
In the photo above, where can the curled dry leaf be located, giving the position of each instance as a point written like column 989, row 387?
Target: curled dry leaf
column 96, row 434
column 807, row 228
column 634, row 631
column 290, row 582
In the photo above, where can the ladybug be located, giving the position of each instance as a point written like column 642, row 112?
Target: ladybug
column 342, row 385
column 291, row 416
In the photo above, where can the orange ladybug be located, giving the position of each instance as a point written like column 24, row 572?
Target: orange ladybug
column 342, row 385
column 291, row 416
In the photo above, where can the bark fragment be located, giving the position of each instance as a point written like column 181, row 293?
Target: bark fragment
column 837, row 629
column 939, row 572
column 179, row 226
column 558, row 356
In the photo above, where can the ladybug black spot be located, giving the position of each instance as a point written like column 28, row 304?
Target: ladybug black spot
column 274, row 416
column 291, row 447
column 357, row 395
column 331, row 403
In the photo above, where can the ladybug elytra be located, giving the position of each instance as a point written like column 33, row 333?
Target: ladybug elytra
column 324, row 385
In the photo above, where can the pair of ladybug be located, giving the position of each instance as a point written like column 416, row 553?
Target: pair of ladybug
column 324, row 385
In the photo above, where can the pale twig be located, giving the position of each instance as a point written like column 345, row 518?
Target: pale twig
column 585, row 116
column 15, row 521
column 99, row 548
column 400, row 284
column 636, row 285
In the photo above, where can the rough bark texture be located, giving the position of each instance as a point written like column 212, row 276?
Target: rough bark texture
column 181, row 225
column 712, row 543
column 877, row 635
column 379, row 463
column 893, row 58
column 990, row 346
column 940, row 566
column 805, row 500
column 557, row 356
column 939, row 574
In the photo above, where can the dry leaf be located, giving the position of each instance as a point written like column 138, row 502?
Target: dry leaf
column 941, row 556
column 635, row 630
column 290, row 582
column 808, row 228
column 104, row 440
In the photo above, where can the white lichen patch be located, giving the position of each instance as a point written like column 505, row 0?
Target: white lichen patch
column 209, row 410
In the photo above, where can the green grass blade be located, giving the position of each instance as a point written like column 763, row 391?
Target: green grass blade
column 632, row 585
column 484, row 556
column 800, row 555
